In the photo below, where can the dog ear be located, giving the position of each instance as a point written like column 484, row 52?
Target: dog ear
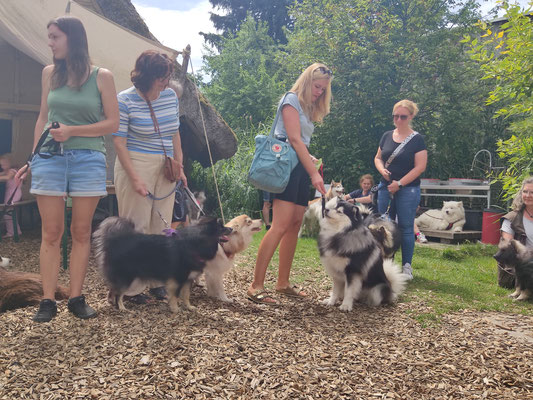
column 518, row 247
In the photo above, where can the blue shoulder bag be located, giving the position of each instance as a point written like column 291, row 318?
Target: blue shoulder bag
column 273, row 161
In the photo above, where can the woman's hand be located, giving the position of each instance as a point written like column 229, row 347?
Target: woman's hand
column 23, row 172
column 140, row 187
column 61, row 134
column 318, row 183
column 385, row 173
column 182, row 177
column 393, row 187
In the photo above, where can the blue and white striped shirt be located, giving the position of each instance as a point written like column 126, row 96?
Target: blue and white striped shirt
column 137, row 126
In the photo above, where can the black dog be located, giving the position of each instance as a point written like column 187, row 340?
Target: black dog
column 129, row 260
column 514, row 254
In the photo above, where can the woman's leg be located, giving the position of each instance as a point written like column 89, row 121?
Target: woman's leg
column 287, row 247
column 162, row 187
column 52, row 211
column 283, row 212
column 130, row 203
column 407, row 200
column 82, row 215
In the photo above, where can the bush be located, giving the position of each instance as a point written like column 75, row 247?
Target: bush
column 236, row 194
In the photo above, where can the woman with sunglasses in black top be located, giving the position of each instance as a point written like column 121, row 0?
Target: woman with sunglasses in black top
column 400, row 186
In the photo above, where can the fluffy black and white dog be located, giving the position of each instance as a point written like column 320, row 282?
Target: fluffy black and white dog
column 386, row 231
column 514, row 254
column 130, row 260
column 354, row 260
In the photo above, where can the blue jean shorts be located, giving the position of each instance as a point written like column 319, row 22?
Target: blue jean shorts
column 78, row 173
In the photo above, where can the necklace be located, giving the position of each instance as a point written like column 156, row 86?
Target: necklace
column 528, row 213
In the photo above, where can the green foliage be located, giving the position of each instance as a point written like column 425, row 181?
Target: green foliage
column 381, row 52
column 236, row 194
column 273, row 12
column 244, row 82
column 505, row 55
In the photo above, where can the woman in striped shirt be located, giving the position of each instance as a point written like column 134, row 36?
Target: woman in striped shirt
column 141, row 150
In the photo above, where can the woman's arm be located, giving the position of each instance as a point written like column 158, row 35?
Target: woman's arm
column 178, row 155
column 291, row 120
column 106, row 86
column 380, row 165
column 421, row 160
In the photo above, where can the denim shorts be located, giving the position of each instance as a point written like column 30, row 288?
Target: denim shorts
column 78, row 173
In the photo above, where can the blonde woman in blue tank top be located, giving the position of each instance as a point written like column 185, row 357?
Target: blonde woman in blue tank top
column 82, row 99
column 307, row 102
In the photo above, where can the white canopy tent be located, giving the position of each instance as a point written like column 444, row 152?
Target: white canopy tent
column 23, row 26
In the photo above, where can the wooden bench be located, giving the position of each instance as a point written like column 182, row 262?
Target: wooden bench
column 15, row 211
column 452, row 237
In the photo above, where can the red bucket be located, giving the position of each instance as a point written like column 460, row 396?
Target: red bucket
column 490, row 226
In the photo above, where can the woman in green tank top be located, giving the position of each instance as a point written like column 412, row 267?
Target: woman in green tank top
column 82, row 99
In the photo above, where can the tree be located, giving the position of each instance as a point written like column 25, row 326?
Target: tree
column 272, row 12
column 385, row 50
column 506, row 59
column 244, row 84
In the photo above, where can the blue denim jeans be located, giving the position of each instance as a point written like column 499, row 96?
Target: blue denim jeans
column 403, row 205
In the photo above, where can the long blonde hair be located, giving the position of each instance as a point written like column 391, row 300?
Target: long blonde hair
column 302, row 87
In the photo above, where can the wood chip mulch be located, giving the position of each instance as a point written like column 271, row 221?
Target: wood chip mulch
column 299, row 350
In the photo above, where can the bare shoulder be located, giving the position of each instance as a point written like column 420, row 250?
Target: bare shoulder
column 105, row 74
column 47, row 70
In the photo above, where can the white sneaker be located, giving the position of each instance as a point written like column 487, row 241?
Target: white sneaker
column 4, row 262
column 408, row 270
column 421, row 238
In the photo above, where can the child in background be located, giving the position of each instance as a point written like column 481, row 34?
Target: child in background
column 13, row 192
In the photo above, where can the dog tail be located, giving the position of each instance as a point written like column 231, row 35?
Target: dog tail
column 109, row 227
column 397, row 279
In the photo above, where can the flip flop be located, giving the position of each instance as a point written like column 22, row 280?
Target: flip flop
column 292, row 291
column 262, row 297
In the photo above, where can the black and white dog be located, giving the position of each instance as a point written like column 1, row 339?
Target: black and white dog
column 353, row 259
column 130, row 260
column 514, row 254
column 386, row 231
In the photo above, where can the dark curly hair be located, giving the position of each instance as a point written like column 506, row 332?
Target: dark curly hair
column 150, row 65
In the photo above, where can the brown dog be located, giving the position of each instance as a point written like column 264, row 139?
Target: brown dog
column 21, row 289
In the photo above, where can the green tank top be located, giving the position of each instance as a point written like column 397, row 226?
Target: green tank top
column 71, row 106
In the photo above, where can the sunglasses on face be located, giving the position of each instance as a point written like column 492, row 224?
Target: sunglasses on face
column 399, row 116
column 325, row 71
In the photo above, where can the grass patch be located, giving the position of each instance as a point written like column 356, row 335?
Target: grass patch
column 462, row 277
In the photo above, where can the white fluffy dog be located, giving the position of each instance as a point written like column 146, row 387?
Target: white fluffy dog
column 450, row 217
column 238, row 240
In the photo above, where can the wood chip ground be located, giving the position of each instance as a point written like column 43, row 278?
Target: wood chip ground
column 299, row 350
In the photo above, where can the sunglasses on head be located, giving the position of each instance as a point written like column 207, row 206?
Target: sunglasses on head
column 325, row 71
column 400, row 116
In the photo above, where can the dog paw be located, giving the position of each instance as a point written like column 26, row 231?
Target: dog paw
column 457, row 229
column 328, row 302
column 346, row 307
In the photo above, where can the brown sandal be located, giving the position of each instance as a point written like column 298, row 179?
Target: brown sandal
column 262, row 297
column 292, row 291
